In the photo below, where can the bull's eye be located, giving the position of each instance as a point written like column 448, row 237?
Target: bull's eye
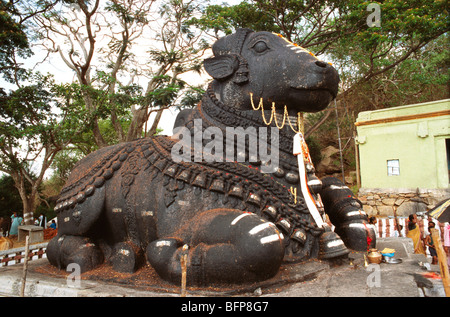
column 260, row 47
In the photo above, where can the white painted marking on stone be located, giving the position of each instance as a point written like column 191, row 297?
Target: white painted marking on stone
column 260, row 228
column 239, row 218
column 361, row 225
column 271, row 238
column 355, row 213
column 338, row 187
column 124, row 252
column 314, row 182
column 335, row 243
column 147, row 213
column 163, row 243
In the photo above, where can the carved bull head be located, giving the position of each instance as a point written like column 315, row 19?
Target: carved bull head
column 271, row 68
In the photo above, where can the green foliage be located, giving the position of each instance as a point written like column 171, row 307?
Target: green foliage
column 36, row 121
column 26, row 116
column 9, row 197
column 63, row 164
column 314, row 149
column 13, row 40
column 228, row 18
column 422, row 77
column 191, row 97
column 166, row 91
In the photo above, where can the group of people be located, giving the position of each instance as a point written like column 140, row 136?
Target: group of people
column 422, row 241
column 17, row 220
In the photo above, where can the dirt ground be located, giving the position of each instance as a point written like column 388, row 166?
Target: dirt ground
column 145, row 278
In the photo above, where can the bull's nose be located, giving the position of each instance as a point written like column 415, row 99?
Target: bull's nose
column 321, row 64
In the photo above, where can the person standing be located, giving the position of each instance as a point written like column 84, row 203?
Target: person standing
column 16, row 221
column 42, row 221
column 397, row 231
column 430, row 243
column 415, row 234
column 53, row 225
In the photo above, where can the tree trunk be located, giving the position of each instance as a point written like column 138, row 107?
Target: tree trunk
column 28, row 202
column 152, row 130
column 135, row 129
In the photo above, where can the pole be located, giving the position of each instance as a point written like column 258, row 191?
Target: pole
column 442, row 258
column 358, row 171
column 339, row 139
column 183, row 262
column 25, row 267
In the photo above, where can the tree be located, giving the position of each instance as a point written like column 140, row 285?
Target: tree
column 28, row 126
column 9, row 197
column 13, row 40
column 36, row 122
column 113, row 48
column 15, row 17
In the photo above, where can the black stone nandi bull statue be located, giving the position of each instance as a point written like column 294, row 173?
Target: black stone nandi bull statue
column 134, row 201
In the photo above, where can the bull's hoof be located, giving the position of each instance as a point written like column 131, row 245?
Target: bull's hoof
column 331, row 246
column 126, row 257
column 160, row 255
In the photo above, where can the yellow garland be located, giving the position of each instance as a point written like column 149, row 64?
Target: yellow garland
column 274, row 117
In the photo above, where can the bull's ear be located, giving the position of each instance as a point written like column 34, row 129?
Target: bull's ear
column 221, row 67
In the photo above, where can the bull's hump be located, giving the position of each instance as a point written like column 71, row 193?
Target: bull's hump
column 93, row 171
column 89, row 168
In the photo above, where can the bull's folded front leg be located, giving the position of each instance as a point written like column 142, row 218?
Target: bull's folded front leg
column 65, row 249
column 346, row 214
column 225, row 245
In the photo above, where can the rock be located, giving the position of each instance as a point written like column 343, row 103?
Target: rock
column 330, row 162
column 385, row 211
column 329, row 151
column 388, row 201
column 363, row 199
column 348, row 179
column 369, row 210
column 410, row 207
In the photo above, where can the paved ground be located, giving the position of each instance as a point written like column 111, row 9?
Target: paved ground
column 383, row 280
column 314, row 278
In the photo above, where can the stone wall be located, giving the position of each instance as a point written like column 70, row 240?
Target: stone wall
column 398, row 202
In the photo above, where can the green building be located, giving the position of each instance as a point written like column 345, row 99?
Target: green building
column 404, row 152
